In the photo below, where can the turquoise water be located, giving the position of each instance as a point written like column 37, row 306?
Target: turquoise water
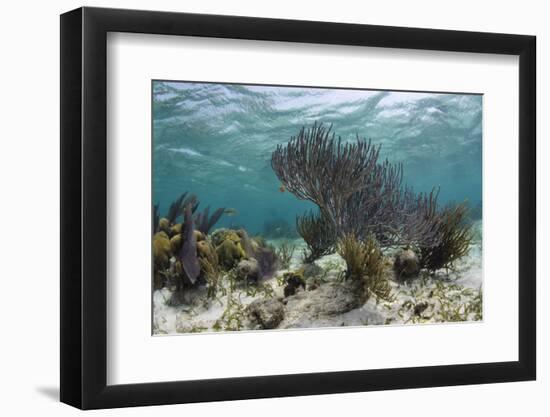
column 216, row 140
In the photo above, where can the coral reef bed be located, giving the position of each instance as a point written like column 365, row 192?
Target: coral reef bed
column 315, row 295
column 374, row 252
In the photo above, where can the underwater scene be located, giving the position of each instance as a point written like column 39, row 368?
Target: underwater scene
column 281, row 207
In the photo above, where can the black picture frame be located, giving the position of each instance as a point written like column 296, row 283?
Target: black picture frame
column 84, row 207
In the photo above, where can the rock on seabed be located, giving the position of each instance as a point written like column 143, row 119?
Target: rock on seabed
column 266, row 313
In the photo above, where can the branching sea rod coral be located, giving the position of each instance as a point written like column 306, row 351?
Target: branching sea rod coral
column 354, row 192
column 318, row 233
column 365, row 265
column 454, row 238
column 393, row 213
column 318, row 167
column 208, row 261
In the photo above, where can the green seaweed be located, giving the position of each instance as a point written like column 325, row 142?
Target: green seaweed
column 445, row 302
column 234, row 315
column 318, row 233
column 263, row 289
column 197, row 329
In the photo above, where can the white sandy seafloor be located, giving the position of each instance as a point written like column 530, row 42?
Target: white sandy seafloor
column 454, row 296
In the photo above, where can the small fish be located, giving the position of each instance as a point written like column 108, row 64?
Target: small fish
column 230, row 212
column 282, row 188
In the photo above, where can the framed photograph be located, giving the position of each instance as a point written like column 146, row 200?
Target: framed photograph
column 257, row 208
